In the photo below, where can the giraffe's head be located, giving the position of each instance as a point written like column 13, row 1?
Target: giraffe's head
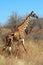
column 32, row 14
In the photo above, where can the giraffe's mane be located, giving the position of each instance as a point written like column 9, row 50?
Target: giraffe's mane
column 22, row 22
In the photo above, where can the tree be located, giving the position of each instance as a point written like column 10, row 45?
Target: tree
column 14, row 20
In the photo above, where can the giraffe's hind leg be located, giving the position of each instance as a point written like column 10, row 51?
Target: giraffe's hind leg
column 4, row 48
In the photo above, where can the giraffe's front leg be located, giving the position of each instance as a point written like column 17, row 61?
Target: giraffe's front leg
column 9, row 50
column 22, row 40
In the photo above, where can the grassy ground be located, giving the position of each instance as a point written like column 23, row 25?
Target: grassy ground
column 34, row 55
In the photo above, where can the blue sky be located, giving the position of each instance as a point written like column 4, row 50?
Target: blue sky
column 20, row 6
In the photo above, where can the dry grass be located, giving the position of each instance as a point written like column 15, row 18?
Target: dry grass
column 34, row 55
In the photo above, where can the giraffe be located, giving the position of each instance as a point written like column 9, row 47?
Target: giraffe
column 19, row 33
column 20, row 30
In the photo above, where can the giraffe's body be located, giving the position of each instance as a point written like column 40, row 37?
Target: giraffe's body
column 19, row 32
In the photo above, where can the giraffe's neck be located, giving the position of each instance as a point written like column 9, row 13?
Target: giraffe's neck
column 24, row 24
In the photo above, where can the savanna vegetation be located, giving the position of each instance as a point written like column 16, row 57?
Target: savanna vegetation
column 33, row 42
